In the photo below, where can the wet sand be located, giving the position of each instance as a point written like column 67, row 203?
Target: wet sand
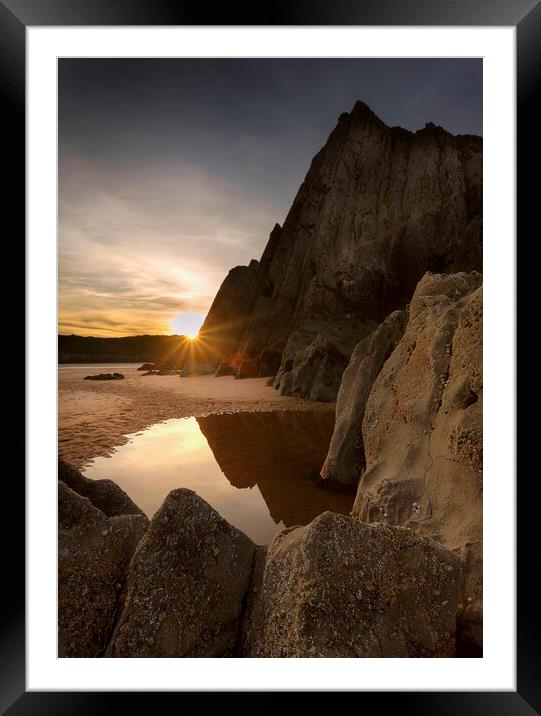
column 94, row 416
column 256, row 469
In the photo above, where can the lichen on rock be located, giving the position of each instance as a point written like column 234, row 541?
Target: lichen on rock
column 186, row 584
column 94, row 552
column 340, row 588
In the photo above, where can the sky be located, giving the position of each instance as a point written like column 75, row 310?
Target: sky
column 172, row 171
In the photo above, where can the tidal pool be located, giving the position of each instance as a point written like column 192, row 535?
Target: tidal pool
column 256, row 469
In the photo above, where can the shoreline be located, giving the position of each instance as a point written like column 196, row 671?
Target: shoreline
column 95, row 417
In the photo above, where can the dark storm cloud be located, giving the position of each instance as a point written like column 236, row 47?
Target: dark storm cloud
column 172, row 171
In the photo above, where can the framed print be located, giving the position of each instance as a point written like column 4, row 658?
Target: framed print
column 270, row 269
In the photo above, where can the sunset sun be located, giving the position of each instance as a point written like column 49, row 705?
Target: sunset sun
column 188, row 324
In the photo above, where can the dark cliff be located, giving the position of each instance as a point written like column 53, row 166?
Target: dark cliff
column 378, row 208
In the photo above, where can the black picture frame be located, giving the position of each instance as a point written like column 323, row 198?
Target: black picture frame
column 525, row 15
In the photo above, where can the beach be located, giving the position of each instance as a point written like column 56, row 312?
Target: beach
column 95, row 416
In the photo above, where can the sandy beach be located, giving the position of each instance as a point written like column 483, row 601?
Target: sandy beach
column 95, row 416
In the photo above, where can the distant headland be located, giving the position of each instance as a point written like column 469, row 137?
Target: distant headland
column 160, row 350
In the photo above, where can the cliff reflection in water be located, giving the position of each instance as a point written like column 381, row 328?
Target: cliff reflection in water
column 279, row 452
column 256, row 474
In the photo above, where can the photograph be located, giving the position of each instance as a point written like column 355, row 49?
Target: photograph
column 271, row 316
column 270, row 357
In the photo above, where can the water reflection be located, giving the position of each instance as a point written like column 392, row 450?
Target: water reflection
column 254, row 468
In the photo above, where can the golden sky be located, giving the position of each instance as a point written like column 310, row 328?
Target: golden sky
column 139, row 254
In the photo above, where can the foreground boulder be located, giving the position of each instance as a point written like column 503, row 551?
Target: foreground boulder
column 94, row 552
column 422, row 432
column 345, row 459
column 106, row 495
column 339, row 588
column 186, row 585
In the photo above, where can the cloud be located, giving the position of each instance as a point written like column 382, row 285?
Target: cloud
column 140, row 244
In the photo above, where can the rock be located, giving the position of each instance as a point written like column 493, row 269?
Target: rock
column 345, row 460
column 197, row 368
column 146, row 366
column 339, row 588
column 94, row 552
column 229, row 313
column 104, row 376
column 106, row 495
column 422, row 432
column 313, row 372
column 379, row 207
column 168, row 371
column 224, row 369
column 186, row 584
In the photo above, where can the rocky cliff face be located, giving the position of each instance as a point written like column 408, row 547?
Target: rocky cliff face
column 345, row 459
column 422, row 433
column 378, row 208
column 230, row 313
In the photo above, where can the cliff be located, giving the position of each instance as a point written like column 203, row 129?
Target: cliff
column 379, row 207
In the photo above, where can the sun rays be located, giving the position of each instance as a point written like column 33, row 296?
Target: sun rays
column 187, row 324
